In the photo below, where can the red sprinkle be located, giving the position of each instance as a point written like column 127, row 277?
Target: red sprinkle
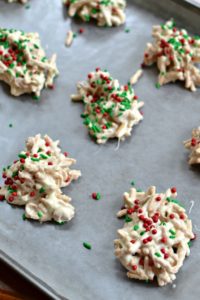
column 158, row 198
column 166, row 256
column 172, row 216
column 22, row 160
column 182, row 216
column 133, row 241
column 134, row 267
column 94, row 196
column 141, row 261
column 130, row 211
column 193, row 142
column 142, row 217
column 67, row 179
column 11, row 199
column 164, row 240
column 65, row 154
column 173, row 190
column 81, row 30
column 149, row 238
column 2, row 197
column 32, row 194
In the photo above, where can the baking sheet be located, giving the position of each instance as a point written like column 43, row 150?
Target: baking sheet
column 52, row 256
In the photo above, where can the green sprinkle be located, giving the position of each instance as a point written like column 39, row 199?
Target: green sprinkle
column 43, row 156
column 136, row 227
column 162, row 73
column 162, row 223
column 127, row 30
column 172, row 232
column 189, row 244
column 24, row 217
column 132, row 183
column 35, row 159
column 87, row 246
column 42, row 190
column 98, row 196
column 157, row 254
column 15, row 173
column 35, row 97
column 139, row 190
column 10, row 125
column 157, row 85
column 142, row 233
column 127, row 219
column 40, row 214
column 60, row 222
column 172, row 236
column 27, row 6
column 22, row 155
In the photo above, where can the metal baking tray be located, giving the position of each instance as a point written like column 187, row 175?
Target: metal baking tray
column 51, row 256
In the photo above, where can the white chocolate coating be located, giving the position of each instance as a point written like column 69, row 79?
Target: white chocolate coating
column 111, row 110
column 175, row 53
column 106, row 12
column 154, row 240
column 23, row 63
column 193, row 144
column 36, row 179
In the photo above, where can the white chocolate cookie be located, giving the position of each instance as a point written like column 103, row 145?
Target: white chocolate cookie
column 193, row 144
column 155, row 237
column 111, row 110
column 23, row 63
column 106, row 12
column 175, row 53
column 36, row 179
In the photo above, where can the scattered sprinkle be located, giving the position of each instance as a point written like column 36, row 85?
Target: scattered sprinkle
column 157, row 85
column 96, row 196
column 87, row 246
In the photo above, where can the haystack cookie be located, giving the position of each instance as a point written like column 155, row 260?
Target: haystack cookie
column 155, row 239
column 36, row 178
column 106, row 12
column 111, row 110
column 193, row 144
column 23, row 63
column 175, row 53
